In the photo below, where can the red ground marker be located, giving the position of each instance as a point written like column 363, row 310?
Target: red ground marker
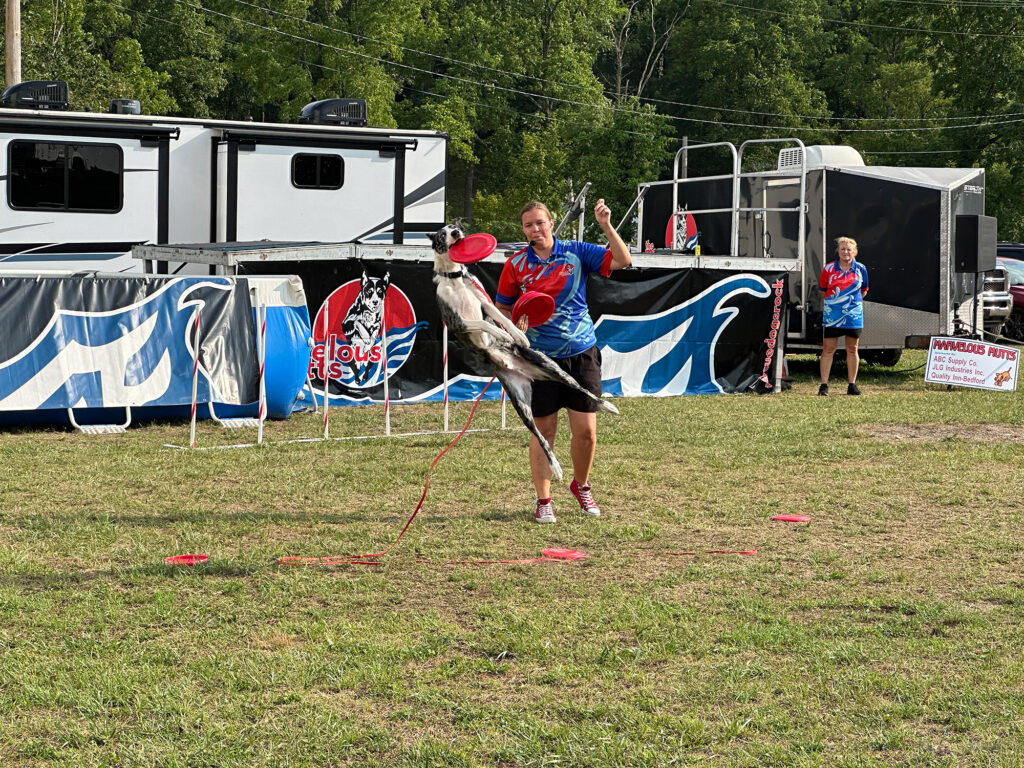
column 792, row 518
column 186, row 559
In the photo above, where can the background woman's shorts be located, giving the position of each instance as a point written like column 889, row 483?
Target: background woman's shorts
column 550, row 396
column 835, row 333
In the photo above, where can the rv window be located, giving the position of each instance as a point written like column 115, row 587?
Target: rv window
column 65, row 177
column 318, row 171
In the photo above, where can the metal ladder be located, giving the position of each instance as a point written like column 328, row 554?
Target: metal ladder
column 101, row 429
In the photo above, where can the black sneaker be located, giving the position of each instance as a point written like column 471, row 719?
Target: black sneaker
column 852, row 389
column 823, row 390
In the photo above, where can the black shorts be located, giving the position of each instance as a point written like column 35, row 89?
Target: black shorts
column 550, row 396
column 835, row 333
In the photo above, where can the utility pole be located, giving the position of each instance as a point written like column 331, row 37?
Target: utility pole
column 12, row 43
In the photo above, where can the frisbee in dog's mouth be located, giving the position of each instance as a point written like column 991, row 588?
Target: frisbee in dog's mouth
column 538, row 308
column 472, row 248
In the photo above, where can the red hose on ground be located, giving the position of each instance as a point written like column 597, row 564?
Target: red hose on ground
column 374, row 557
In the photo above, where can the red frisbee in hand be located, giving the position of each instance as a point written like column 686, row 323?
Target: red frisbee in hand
column 792, row 518
column 472, row 248
column 538, row 308
column 186, row 559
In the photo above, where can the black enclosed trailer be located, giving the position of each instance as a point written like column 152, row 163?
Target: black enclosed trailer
column 903, row 219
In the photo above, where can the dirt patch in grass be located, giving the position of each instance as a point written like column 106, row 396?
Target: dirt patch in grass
column 982, row 433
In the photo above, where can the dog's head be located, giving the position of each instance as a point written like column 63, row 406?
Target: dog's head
column 446, row 236
column 372, row 291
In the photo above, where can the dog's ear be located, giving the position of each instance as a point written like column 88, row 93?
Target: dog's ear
column 386, row 281
column 439, row 240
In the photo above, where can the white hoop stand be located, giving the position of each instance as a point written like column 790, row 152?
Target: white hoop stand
column 328, row 347
column 261, row 360
column 329, row 342
column 444, row 370
column 195, row 380
column 387, row 384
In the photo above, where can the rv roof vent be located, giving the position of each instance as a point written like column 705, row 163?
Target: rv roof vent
column 125, row 107
column 819, row 155
column 36, row 94
column 335, row 112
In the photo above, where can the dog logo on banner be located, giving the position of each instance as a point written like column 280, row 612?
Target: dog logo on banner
column 681, row 232
column 128, row 356
column 360, row 314
column 668, row 353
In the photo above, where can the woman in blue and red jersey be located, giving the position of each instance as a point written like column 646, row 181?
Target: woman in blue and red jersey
column 560, row 269
column 843, row 283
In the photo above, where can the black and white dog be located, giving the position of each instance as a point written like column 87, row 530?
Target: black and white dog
column 492, row 343
column 364, row 318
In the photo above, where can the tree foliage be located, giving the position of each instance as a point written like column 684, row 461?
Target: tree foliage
column 540, row 96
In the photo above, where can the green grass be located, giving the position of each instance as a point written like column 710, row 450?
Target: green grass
column 886, row 632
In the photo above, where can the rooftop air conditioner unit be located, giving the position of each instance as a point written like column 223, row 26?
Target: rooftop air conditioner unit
column 335, row 112
column 819, row 155
column 125, row 107
column 36, row 94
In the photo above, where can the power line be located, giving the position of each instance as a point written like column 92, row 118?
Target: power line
column 997, row 4
column 613, row 109
column 863, row 23
column 472, row 65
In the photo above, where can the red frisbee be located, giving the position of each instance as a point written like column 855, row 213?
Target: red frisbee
column 563, row 554
column 792, row 518
column 472, row 248
column 186, row 559
column 538, row 308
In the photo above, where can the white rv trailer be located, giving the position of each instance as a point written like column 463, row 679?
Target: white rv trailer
column 80, row 189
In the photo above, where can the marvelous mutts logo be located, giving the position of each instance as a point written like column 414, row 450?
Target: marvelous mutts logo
column 773, row 335
column 360, row 314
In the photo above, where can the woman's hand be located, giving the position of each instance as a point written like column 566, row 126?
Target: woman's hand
column 602, row 213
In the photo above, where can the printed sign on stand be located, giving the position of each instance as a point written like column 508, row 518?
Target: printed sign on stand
column 970, row 363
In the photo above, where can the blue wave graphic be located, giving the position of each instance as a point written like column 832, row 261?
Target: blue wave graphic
column 137, row 355
column 672, row 352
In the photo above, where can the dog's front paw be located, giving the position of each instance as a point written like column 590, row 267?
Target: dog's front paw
column 521, row 338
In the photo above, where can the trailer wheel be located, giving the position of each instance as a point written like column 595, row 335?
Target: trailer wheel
column 1014, row 327
column 887, row 357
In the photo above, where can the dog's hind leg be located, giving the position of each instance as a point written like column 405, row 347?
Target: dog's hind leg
column 519, row 391
column 543, row 367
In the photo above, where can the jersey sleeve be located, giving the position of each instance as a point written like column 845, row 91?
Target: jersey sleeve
column 823, row 279
column 595, row 258
column 508, row 287
column 863, row 276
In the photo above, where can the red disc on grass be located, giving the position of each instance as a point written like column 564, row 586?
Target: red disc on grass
column 186, row 559
column 792, row 518
column 538, row 308
column 563, row 554
column 472, row 248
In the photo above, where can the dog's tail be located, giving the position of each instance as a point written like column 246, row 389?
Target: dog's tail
column 519, row 391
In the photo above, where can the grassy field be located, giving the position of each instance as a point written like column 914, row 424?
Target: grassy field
column 888, row 631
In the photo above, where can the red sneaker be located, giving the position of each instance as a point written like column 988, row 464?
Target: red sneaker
column 545, row 512
column 587, row 504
